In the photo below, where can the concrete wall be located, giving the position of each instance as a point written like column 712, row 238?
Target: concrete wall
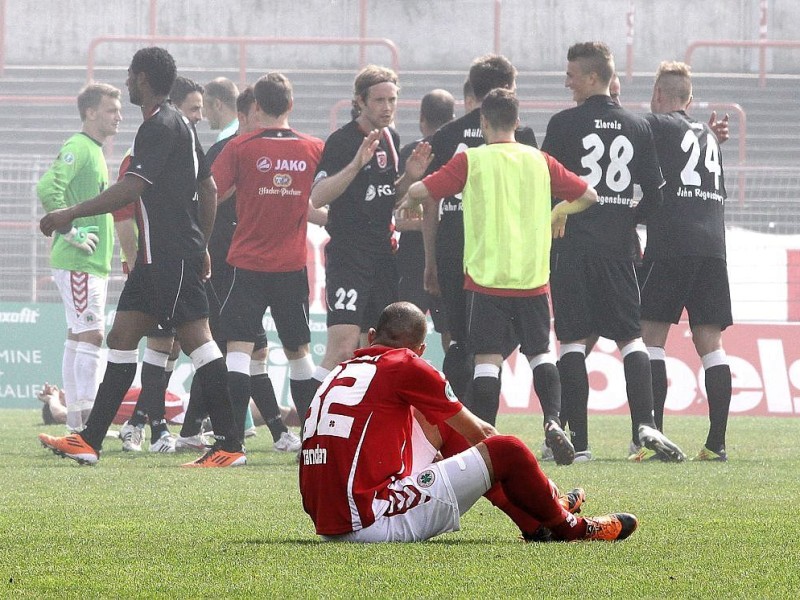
column 430, row 34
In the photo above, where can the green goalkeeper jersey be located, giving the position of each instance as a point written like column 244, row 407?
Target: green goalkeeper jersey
column 79, row 173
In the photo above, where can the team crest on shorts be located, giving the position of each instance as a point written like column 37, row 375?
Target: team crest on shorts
column 426, row 478
column 383, row 160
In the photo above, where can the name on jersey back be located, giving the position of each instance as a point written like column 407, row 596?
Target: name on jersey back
column 600, row 124
column 696, row 192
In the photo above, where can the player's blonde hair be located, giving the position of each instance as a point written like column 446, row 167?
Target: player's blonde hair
column 674, row 80
column 92, row 94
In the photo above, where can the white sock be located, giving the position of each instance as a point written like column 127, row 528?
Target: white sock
column 74, row 418
column 87, row 367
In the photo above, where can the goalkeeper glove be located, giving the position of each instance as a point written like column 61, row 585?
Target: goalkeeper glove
column 84, row 238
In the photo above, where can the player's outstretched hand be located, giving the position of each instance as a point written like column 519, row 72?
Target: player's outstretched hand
column 418, row 162
column 720, row 128
column 367, row 149
column 83, row 238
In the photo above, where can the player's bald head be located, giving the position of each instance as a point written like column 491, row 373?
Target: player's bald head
column 401, row 325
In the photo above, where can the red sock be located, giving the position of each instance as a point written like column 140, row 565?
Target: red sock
column 528, row 488
column 526, row 523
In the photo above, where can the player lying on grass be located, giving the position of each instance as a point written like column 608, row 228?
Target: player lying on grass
column 356, row 464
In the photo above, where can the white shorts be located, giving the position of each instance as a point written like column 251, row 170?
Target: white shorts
column 442, row 491
column 84, row 298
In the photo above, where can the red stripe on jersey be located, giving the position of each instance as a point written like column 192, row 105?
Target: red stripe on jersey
column 387, row 136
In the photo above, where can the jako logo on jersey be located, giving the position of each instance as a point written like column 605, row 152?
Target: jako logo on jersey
column 378, row 190
column 264, row 164
column 69, row 158
column 382, row 159
column 290, row 165
column 282, row 180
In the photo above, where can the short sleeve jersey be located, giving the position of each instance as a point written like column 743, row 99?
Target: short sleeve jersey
column 79, row 173
column 357, row 437
column 273, row 170
column 225, row 220
column 612, row 149
column 360, row 219
column 691, row 220
column 451, row 139
column 167, row 154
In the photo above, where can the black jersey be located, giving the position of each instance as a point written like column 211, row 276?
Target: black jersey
column 450, row 139
column 225, row 222
column 691, row 220
column 361, row 218
column 167, row 154
column 612, row 149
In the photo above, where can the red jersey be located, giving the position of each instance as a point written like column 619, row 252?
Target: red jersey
column 273, row 170
column 357, row 437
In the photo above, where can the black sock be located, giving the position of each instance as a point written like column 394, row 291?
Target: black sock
column 263, row 393
column 116, row 382
column 639, row 387
column 658, row 369
column 486, row 398
column 457, row 367
column 239, row 390
column 303, row 391
column 547, row 384
column 718, row 390
column 158, row 428
column 151, row 397
column 276, row 427
column 196, row 411
column 575, row 398
column 214, row 381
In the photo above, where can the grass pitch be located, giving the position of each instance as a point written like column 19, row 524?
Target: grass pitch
column 138, row 526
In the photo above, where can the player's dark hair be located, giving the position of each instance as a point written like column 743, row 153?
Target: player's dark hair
column 182, row 87
column 366, row 78
column 92, row 94
column 401, row 325
column 158, row 65
column 245, row 100
column 223, row 89
column 437, row 108
column 489, row 72
column 500, row 108
column 273, row 92
column 595, row 57
column 468, row 91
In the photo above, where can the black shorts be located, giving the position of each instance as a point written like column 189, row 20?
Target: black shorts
column 594, row 295
column 171, row 291
column 252, row 292
column 693, row 282
column 358, row 286
column 489, row 318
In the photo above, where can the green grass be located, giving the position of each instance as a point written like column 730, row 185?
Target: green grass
column 138, row 526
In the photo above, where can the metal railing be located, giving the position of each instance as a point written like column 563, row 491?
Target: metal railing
column 761, row 44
